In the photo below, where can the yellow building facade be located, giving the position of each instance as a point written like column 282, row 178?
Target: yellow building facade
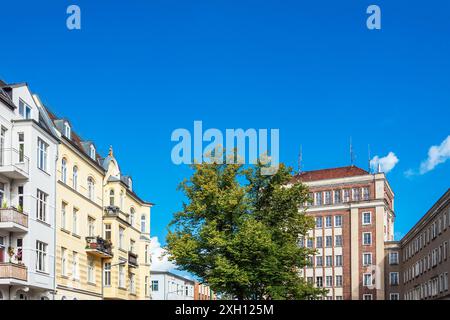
column 103, row 227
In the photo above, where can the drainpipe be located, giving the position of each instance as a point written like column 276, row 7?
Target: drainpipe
column 54, row 226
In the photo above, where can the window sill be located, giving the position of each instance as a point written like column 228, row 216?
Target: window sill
column 76, row 235
column 65, row 230
column 42, row 272
column 122, row 288
column 43, row 171
column 123, row 250
column 91, row 283
column 43, row 222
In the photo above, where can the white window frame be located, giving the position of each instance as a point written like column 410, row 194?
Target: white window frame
column 367, row 254
column 41, row 205
column 364, row 240
column 107, row 274
column 364, row 223
column 41, row 256
column 42, row 155
column 364, row 279
column 337, row 218
column 63, row 261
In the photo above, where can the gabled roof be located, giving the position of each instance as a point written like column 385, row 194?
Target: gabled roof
column 333, row 173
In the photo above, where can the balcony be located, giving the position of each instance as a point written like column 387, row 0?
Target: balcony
column 13, row 220
column 12, row 271
column 98, row 247
column 132, row 259
column 14, row 164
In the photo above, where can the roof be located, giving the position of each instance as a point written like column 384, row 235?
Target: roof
column 168, row 273
column 333, row 173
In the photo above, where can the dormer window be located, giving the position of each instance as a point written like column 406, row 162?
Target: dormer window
column 24, row 110
column 67, row 131
column 130, row 184
column 92, row 151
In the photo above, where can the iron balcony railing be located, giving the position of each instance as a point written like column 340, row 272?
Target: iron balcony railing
column 99, row 245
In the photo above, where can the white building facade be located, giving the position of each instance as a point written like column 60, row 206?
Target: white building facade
column 28, row 153
column 168, row 286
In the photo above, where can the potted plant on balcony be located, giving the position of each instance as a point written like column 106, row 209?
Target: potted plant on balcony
column 4, row 204
column 10, row 253
column 19, row 256
column 19, row 208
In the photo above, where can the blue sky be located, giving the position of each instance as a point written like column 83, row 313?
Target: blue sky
column 137, row 71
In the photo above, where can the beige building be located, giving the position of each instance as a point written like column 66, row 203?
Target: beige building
column 425, row 260
column 354, row 214
column 103, row 227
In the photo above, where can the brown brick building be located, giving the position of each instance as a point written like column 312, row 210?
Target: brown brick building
column 354, row 214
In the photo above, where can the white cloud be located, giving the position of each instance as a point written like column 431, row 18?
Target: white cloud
column 436, row 155
column 386, row 163
column 159, row 260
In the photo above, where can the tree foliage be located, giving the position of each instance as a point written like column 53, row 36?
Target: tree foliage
column 239, row 231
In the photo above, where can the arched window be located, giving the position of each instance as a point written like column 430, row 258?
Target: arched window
column 91, row 188
column 92, row 151
column 111, row 197
column 75, row 177
column 143, row 223
column 64, row 170
column 132, row 216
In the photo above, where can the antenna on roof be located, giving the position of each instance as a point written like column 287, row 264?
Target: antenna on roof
column 352, row 156
column 368, row 157
column 300, row 158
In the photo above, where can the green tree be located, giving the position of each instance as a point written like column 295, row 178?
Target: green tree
column 239, row 232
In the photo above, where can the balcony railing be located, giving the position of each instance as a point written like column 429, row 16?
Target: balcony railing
column 14, row 216
column 13, row 271
column 132, row 259
column 99, row 247
column 14, row 164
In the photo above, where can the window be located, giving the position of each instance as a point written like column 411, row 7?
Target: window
column 319, row 222
column 132, row 284
column 367, row 218
column 367, row 259
column 121, row 237
column 20, row 196
column 91, row 270
column 121, row 199
column 143, row 228
column 319, row 198
column 309, row 243
column 328, row 241
column 338, row 261
column 367, row 297
column 75, row 178
column 21, row 138
column 356, row 194
column 346, row 195
column 67, row 130
column 337, row 196
column 132, row 216
column 155, row 285
column 146, row 254
column 92, row 152
column 42, row 155
column 41, row 205
column 339, row 298
column 338, row 281
column 107, row 274
column 319, row 242
column 394, row 296
column 328, row 281
column 64, row 170
column 146, row 286
column 63, row 215
column 338, row 221
column 367, row 279
column 132, row 244
column 327, row 197
column 75, row 221
column 393, row 278
column 367, row 238
column 111, row 197
column 121, row 276
column 338, row 240
column 319, row 261
column 107, row 232
column 41, row 256
column 91, row 189
column 75, row 273
column 366, row 194
column 319, row 282
column 329, row 261
column 328, row 222
column 393, row 257
column 24, row 110
column 63, row 261
column 91, row 227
